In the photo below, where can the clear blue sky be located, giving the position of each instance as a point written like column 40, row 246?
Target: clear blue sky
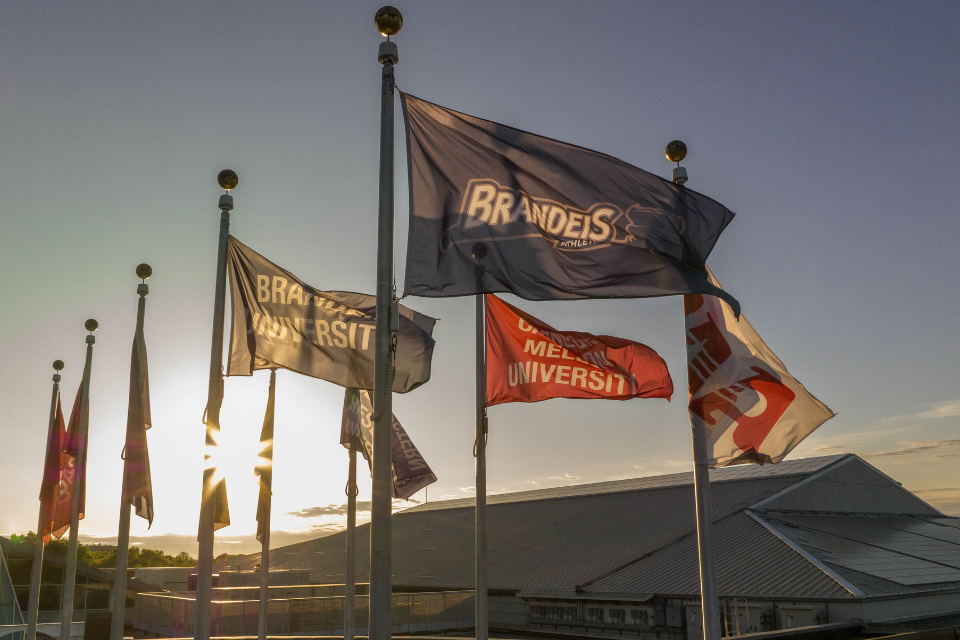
column 831, row 128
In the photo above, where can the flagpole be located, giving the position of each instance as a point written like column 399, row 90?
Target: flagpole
column 265, row 531
column 79, row 487
column 388, row 21
column 33, row 605
column 709, row 598
column 227, row 180
column 350, row 579
column 119, row 602
column 480, row 451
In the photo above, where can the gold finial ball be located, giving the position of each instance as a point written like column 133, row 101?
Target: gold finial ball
column 228, row 179
column 91, row 325
column 389, row 21
column 58, row 365
column 144, row 271
column 676, row 151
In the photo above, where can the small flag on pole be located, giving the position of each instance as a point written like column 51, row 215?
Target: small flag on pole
column 410, row 471
column 136, row 458
column 263, row 472
column 529, row 361
column 741, row 395
column 53, row 483
column 72, row 475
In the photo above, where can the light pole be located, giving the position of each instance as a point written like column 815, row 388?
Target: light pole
column 389, row 22
column 227, row 180
column 709, row 600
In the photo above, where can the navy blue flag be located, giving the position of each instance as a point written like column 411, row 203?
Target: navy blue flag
column 556, row 221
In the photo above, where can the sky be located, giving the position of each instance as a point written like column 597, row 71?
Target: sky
column 831, row 130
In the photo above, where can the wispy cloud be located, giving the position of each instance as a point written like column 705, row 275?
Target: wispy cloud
column 468, row 489
column 946, row 409
column 565, row 477
column 946, row 499
column 329, row 510
column 916, row 448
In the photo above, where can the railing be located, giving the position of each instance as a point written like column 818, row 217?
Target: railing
column 172, row 616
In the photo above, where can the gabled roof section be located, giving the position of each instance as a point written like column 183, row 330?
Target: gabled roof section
column 850, row 486
column 800, row 467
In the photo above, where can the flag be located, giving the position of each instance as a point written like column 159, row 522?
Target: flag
column 410, row 471
column 73, row 475
column 263, row 472
column 50, row 489
column 742, row 397
column 279, row 321
column 529, row 361
column 558, row 221
column 138, row 488
column 221, row 508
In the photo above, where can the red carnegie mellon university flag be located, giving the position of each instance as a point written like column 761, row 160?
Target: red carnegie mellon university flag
column 529, row 361
column 137, row 486
column 741, row 395
column 50, row 490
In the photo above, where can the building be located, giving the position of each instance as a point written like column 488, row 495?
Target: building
column 92, row 590
column 805, row 542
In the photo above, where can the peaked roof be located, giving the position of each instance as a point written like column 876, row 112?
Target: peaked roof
column 637, row 537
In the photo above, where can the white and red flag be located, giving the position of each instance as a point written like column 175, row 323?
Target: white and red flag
column 529, row 361
column 749, row 407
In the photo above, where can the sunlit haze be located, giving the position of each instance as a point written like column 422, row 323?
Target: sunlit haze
column 832, row 132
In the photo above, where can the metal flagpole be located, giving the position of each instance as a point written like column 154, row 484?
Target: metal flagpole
column 388, row 21
column 79, row 487
column 480, row 451
column 709, row 598
column 33, row 605
column 265, row 533
column 119, row 603
column 227, row 180
column 350, row 580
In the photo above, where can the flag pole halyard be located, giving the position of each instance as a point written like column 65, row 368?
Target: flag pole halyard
column 265, row 525
column 350, row 579
column 79, row 487
column 389, row 22
column 480, row 451
column 709, row 598
column 33, row 601
column 119, row 603
column 228, row 180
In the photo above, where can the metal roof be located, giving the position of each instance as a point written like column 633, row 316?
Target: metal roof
column 907, row 551
column 639, row 537
column 803, row 466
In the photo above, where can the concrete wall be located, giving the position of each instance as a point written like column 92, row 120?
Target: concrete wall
column 507, row 610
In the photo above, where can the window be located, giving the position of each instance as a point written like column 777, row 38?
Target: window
column 617, row 616
column 594, row 614
column 639, row 616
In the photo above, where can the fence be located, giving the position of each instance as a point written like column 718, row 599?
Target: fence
column 172, row 616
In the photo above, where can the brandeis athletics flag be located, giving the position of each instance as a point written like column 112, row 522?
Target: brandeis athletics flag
column 410, row 471
column 279, row 321
column 558, row 221
column 138, row 488
column 54, row 488
column 72, row 474
column 529, row 361
column 741, row 396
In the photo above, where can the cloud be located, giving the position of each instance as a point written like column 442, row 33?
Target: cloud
column 914, row 448
column 937, row 410
column 329, row 510
column 565, row 476
column 468, row 489
column 946, row 499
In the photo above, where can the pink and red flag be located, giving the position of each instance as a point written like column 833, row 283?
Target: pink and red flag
column 741, row 395
column 529, row 361
column 54, row 488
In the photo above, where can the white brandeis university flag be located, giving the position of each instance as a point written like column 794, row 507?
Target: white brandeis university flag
column 741, row 395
